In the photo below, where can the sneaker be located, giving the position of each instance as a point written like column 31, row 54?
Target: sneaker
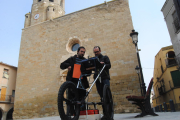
column 104, row 118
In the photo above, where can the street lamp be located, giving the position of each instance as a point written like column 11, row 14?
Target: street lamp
column 138, row 71
column 134, row 36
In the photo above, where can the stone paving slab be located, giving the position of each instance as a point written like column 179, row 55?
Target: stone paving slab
column 130, row 116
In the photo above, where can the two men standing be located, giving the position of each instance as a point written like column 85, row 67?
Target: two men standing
column 104, row 77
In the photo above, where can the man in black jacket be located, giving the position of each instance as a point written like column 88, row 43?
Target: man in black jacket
column 69, row 64
column 104, row 77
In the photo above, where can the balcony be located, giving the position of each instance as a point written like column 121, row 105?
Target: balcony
column 6, row 98
column 170, row 62
column 161, row 90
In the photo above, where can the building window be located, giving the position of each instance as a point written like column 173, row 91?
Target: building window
column 162, row 87
column 13, row 93
column 6, row 73
column 176, row 21
column 176, row 78
column 170, row 61
column 75, row 47
column 73, row 44
column 39, row 0
column 51, row 0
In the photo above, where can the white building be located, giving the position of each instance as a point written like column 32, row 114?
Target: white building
column 171, row 12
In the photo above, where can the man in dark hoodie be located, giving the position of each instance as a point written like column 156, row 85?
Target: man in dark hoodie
column 71, row 62
column 104, row 77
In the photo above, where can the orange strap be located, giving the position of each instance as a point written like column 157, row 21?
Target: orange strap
column 77, row 71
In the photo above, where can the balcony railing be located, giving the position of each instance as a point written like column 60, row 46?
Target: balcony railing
column 161, row 90
column 6, row 98
column 170, row 62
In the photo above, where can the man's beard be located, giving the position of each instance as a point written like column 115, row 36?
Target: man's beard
column 80, row 56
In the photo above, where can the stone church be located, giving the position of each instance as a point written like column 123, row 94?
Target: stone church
column 49, row 37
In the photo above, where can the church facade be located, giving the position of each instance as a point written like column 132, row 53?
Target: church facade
column 47, row 40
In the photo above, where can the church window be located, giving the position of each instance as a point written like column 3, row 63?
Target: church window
column 75, row 47
column 6, row 73
column 53, row 9
column 26, row 16
column 73, row 44
column 51, row 0
column 39, row 0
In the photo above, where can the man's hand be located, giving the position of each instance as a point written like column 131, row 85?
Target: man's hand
column 69, row 68
column 102, row 63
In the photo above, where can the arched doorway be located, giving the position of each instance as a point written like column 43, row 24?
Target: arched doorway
column 10, row 114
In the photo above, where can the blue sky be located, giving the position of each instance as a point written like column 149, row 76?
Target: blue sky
column 147, row 19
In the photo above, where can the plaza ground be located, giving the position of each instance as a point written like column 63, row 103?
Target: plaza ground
column 130, row 116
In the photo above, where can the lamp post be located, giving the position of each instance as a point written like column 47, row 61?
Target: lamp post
column 134, row 36
column 138, row 71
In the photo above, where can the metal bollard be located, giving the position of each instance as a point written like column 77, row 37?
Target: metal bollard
column 157, row 107
column 161, row 110
column 172, row 105
column 165, row 107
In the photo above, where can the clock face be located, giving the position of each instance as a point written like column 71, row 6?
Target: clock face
column 36, row 16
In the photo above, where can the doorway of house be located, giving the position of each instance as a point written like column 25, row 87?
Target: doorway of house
column 1, row 113
column 10, row 114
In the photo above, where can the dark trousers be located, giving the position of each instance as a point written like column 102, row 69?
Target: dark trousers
column 71, row 95
column 100, row 86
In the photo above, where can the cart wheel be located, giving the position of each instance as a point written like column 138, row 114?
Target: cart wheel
column 108, row 102
column 67, row 97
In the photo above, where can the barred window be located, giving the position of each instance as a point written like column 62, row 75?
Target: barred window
column 6, row 73
column 176, row 21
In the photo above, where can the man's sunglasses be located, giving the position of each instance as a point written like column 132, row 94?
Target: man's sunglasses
column 96, row 52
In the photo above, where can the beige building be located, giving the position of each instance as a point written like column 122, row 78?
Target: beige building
column 50, row 37
column 7, row 90
column 166, row 78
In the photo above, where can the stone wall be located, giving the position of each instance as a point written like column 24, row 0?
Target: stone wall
column 46, row 45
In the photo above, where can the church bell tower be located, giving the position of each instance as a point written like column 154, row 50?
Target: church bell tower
column 43, row 10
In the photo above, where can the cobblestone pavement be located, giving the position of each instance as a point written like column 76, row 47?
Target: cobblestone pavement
column 130, row 116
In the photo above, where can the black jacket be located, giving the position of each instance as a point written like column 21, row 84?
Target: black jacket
column 105, row 73
column 70, row 62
